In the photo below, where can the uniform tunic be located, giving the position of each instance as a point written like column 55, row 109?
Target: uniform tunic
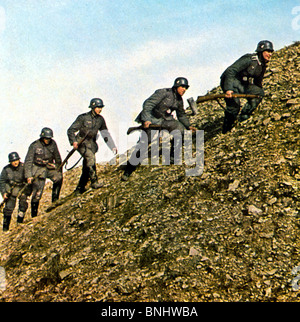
column 37, row 161
column 158, row 110
column 12, row 180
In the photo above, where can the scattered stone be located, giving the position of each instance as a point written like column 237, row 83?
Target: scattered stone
column 254, row 210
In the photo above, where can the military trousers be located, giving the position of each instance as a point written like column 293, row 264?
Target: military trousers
column 88, row 166
column 11, row 204
column 233, row 105
column 39, row 183
column 146, row 140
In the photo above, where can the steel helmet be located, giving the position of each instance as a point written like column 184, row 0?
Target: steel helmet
column 264, row 45
column 13, row 156
column 181, row 81
column 96, row 102
column 46, row 133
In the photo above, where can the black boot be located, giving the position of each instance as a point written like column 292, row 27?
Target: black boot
column 56, row 191
column 6, row 222
column 84, row 178
column 34, row 208
column 128, row 171
column 229, row 120
column 94, row 179
column 20, row 217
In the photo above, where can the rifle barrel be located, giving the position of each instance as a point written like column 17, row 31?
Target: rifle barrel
column 206, row 98
column 141, row 127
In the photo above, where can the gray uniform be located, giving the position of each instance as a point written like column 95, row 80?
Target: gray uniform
column 158, row 110
column 245, row 76
column 92, row 124
column 37, row 161
column 12, row 180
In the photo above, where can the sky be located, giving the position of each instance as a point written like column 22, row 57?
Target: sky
column 58, row 55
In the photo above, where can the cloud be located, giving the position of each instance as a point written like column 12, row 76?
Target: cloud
column 155, row 51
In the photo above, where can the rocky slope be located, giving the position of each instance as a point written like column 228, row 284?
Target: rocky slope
column 231, row 234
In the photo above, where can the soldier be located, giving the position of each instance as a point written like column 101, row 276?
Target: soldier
column 245, row 76
column 89, row 124
column 157, row 110
column 42, row 161
column 12, row 180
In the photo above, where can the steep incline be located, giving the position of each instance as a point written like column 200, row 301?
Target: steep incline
column 230, row 235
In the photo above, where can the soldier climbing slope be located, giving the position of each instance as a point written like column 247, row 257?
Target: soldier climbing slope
column 87, row 125
column 245, row 76
column 42, row 161
column 157, row 110
column 12, row 180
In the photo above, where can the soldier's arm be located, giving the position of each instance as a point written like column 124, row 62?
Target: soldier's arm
column 106, row 136
column 183, row 118
column 151, row 103
column 3, row 179
column 73, row 129
column 29, row 162
column 57, row 157
column 233, row 70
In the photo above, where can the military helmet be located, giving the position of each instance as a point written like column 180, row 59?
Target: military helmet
column 264, row 45
column 96, row 102
column 46, row 133
column 13, row 156
column 181, row 81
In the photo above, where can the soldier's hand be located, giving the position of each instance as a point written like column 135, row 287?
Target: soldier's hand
column 50, row 166
column 228, row 94
column 29, row 180
column 147, row 124
column 193, row 129
column 75, row 145
column 5, row 196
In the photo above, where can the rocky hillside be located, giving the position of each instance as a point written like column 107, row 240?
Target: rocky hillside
column 232, row 234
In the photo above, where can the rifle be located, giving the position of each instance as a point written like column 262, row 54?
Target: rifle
column 206, row 98
column 141, row 127
column 72, row 152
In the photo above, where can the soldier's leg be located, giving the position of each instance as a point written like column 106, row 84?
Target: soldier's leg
column 91, row 167
column 252, row 103
column 23, row 206
column 231, row 113
column 37, row 191
column 7, row 212
column 57, row 179
column 138, row 155
column 84, row 178
column 233, row 106
column 176, row 128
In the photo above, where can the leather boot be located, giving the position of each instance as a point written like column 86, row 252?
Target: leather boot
column 20, row 217
column 56, row 191
column 229, row 120
column 6, row 222
column 34, row 208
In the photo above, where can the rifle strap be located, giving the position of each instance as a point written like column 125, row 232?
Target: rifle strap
column 223, row 107
column 73, row 165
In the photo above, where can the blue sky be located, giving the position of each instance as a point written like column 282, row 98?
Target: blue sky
column 57, row 55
